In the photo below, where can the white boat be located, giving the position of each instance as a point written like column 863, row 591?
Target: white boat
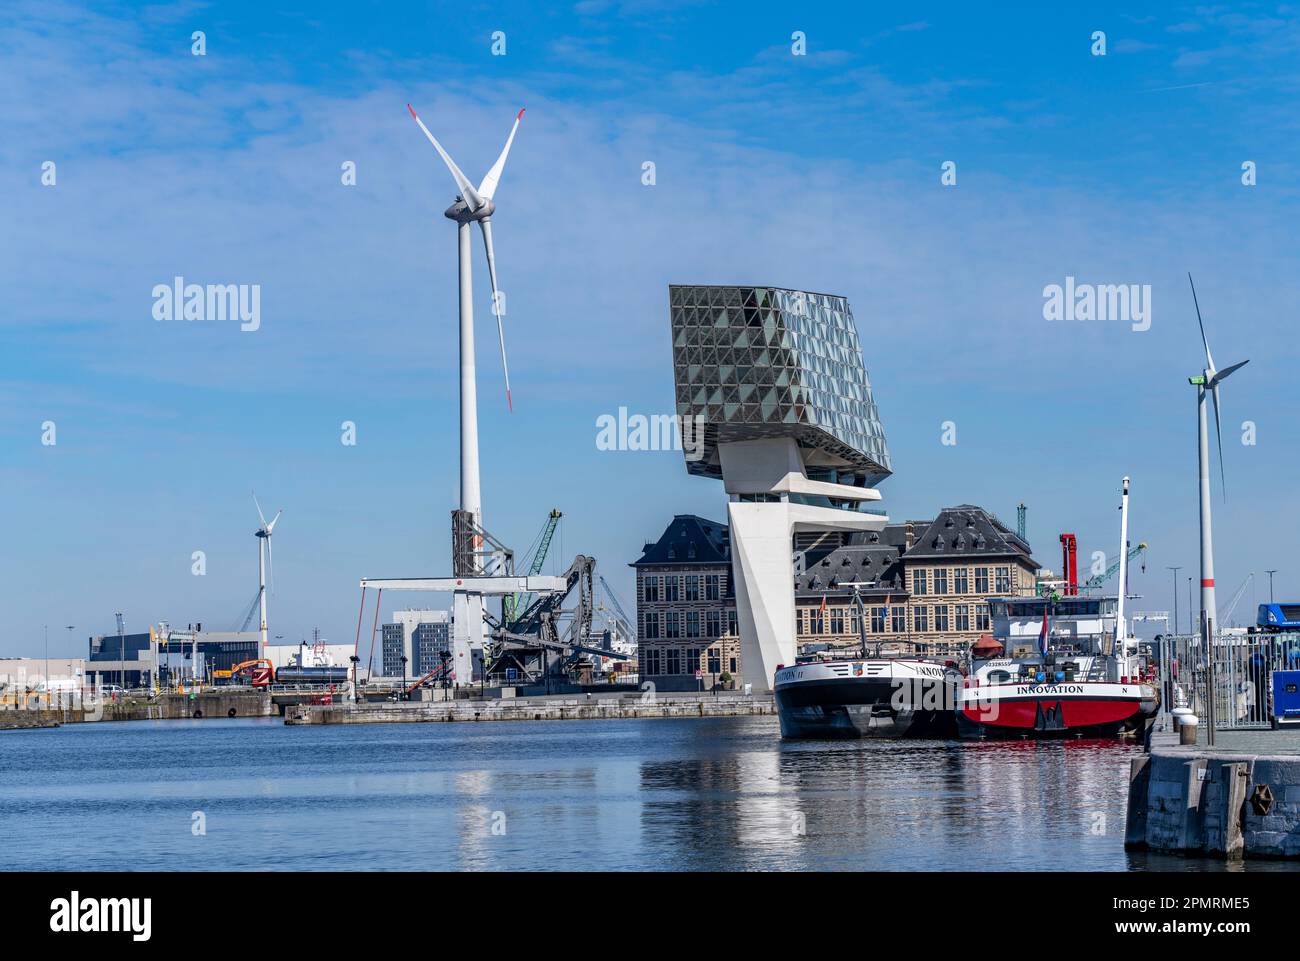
column 867, row 697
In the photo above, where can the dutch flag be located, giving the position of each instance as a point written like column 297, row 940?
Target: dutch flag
column 1042, row 634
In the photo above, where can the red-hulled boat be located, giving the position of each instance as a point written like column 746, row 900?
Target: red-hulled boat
column 1059, row 666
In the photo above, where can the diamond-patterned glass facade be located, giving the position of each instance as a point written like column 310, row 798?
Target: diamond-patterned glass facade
column 759, row 362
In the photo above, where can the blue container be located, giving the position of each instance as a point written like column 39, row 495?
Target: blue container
column 1286, row 698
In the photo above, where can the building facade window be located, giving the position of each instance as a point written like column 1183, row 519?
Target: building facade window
column 672, row 626
column 692, row 623
column 941, row 617
column 919, row 583
column 674, row 661
column 961, row 580
column 715, row 661
column 898, row 614
column 711, row 589
column 650, row 589
column 963, row 617
column 712, row 623
column 732, row 630
column 941, row 581
column 877, row 620
column 651, row 628
column 692, row 587
column 921, row 619
column 981, row 617
column 671, row 592
column 1003, row 575
column 981, row 580
column 837, row 620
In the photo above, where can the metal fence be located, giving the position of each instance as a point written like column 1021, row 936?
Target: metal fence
column 1243, row 675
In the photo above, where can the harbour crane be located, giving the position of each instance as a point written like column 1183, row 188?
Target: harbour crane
column 516, row 603
column 1133, row 553
column 626, row 626
column 1236, row 598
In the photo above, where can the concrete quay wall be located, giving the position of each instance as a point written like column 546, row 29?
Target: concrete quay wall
column 525, row 709
column 163, row 707
column 1198, row 803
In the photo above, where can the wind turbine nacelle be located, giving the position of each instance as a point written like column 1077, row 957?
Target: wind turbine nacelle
column 460, row 211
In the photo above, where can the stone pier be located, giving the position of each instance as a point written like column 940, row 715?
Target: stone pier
column 1223, row 805
column 535, row 709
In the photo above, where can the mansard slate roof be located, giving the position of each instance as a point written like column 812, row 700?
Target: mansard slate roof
column 852, row 562
column 689, row 539
column 966, row 531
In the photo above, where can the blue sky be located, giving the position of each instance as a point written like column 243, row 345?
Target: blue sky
column 819, row 172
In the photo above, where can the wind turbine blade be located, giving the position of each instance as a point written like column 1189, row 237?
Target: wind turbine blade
column 466, row 189
column 1209, row 361
column 1222, row 375
column 1218, row 432
column 486, row 225
column 260, row 515
column 271, row 526
column 489, row 185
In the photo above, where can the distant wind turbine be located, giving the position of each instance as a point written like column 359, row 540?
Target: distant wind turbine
column 265, row 566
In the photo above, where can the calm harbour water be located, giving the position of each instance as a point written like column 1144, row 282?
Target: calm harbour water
column 708, row 794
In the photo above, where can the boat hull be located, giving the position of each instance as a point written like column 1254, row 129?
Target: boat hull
column 866, row 698
column 1071, row 710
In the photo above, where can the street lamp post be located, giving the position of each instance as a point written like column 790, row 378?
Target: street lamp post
column 403, row 691
column 70, row 628
column 1175, row 570
column 356, row 679
column 1270, row 584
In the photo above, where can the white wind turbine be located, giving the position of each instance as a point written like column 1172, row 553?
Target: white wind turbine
column 1207, row 382
column 264, row 562
column 473, row 205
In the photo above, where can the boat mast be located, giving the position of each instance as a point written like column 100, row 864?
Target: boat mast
column 1121, row 629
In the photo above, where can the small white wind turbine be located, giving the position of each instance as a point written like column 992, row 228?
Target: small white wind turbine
column 473, row 205
column 265, row 566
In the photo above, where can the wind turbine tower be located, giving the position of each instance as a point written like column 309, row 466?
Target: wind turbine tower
column 1207, row 383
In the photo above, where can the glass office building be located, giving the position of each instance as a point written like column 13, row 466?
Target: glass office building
column 766, row 362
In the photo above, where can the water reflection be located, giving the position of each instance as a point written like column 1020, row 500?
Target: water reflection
column 702, row 794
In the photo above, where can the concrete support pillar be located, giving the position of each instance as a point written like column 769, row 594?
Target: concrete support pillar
column 762, row 562
column 466, row 635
